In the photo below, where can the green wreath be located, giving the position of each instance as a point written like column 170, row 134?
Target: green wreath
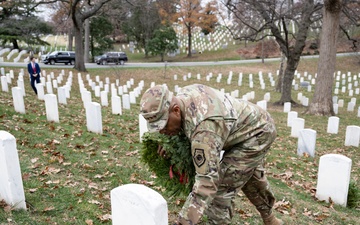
column 176, row 172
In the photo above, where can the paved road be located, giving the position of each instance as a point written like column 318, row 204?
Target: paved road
column 175, row 64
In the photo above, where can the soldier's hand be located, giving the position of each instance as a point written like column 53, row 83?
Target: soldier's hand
column 161, row 151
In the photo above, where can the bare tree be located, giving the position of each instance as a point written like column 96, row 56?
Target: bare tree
column 79, row 14
column 62, row 21
column 256, row 20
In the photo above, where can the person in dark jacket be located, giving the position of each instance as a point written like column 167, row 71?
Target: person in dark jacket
column 34, row 73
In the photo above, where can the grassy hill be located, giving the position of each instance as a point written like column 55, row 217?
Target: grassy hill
column 68, row 172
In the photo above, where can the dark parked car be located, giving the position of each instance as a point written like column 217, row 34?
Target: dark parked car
column 111, row 57
column 60, row 57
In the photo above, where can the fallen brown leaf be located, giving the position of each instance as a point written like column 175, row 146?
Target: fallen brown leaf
column 49, row 208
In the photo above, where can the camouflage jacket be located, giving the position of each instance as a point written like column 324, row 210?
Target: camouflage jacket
column 213, row 121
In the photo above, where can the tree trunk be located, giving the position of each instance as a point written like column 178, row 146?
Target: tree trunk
column 70, row 39
column 287, row 81
column 87, row 38
column 189, row 41
column 322, row 101
column 162, row 57
column 15, row 43
column 79, row 47
column 279, row 82
column 293, row 53
column 78, row 16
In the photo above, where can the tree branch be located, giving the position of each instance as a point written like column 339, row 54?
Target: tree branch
column 354, row 46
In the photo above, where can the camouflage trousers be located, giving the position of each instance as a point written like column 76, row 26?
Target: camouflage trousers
column 242, row 169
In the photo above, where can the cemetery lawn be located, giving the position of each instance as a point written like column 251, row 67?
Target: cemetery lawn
column 68, row 172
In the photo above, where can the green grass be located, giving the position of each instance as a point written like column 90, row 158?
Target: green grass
column 68, row 172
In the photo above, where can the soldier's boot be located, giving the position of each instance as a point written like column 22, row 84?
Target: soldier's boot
column 272, row 220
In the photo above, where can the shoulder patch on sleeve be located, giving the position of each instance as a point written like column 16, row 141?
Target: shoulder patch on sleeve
column 199, row 157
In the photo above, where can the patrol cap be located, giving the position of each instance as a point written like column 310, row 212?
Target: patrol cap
column 154, row 107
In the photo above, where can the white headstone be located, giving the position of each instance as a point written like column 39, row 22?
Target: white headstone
column 341, row 103
column 351, row 106
column 8, row 78
column 291, row 116
column 333, row 125
column 335, row 99
column 252, row 94
column 142, row 126
column 126, row 101
column 297, row 125
column 352, row 136
column 18, row 100
column 132, row 97
column 120, row 90
column 343, row 89
column 262, row 104
column 287, row 106
column 267, row 96
column 299, row 96
column 62, row 95
column 11, row 185
column 86, row 96
column 333, row 178
column 55, row 84
column 40, row 91
column 113, row 91
column 116, row 105
column 93, row 117
column 4, row 84
column 306, row 142
column 353, row 100
column 137, row 204
column 20, row 84
column 104, row 98
column 49, row 89
column 305, row 101
column 51, row 108
column 336, row 108
column 251, row 84
column 97, row 91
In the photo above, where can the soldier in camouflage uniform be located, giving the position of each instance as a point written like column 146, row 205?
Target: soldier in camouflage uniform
column 214, row 122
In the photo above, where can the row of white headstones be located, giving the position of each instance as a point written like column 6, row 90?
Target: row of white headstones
column 338, row 103
column 11, row 191
column 94, row 109
column 11, row 53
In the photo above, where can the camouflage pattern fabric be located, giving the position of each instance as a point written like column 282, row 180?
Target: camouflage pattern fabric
column 213, row 122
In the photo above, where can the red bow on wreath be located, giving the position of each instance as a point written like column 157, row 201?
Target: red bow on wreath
column 183, row 178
